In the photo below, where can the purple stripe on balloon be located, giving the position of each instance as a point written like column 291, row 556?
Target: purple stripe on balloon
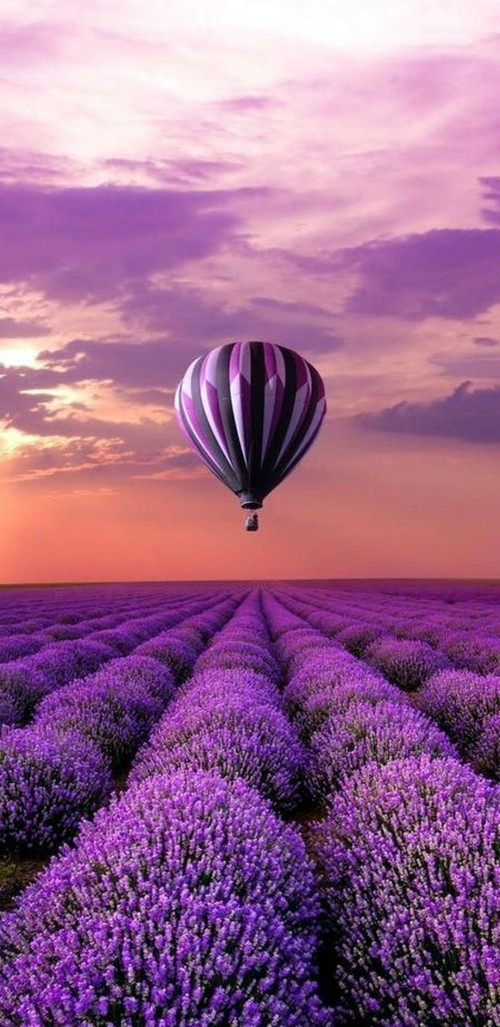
column 301, row 370
column 210, row 398
column 279, row 391
column 301, row 409
column 246, row 409
column 191, row 417
column 270, row 395
column 209, row 367
column 269, row 360
column 212, row 410
column 234, row 361
column 311, row 432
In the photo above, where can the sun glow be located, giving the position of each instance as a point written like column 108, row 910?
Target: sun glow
column 20, row 356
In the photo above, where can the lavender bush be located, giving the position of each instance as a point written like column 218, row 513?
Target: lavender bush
column 115, row 715
column 47, row 784
column 406, row 663
column 63, row 661
column 312, row 709
column 460, row 702
column 187, row 902
column 485, row 754
column 176, row 653
column 21, row 687
column 237, row 739
column 409, row 862
column 364, row 733
column 481, row 655
column 12, row 647
column 228, row 654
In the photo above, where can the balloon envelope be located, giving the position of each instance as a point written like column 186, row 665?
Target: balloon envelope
column 251, row 410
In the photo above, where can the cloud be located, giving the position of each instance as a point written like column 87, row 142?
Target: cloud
column 484, row 340
column 28, row 44
column 64, row 438
column 179, row 172
column 447, row 272
column 483, row 363
column 10, row 328
column 248, row 103
column 194, row 321
column 25, row 166
column 88, row 243
column 15, row 403
column 472, row 415
column 153, row 363
column 76, row 460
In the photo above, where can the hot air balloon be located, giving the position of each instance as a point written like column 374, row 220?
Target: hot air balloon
column 250, row 410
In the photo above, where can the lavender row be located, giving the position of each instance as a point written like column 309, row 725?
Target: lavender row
column 59, row 769
column 24, row 682
column 187, row 901
column 408, row 849
column 228, row 717
column 465, row 704
column 24, row 643
column 30, row 610
column 346, row 712
column 466, row 639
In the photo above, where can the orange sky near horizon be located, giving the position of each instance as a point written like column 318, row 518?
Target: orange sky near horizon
column 193, row 530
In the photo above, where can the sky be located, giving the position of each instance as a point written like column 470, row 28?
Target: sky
column 176, row 176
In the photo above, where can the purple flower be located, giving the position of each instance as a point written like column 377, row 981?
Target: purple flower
column 47, row 784
column 244, row 654
column 114, row 714
column 64, row 661
column 408, row 664
column 325, row 702
column 176, row 653
column 12, row 647
column 485, row 755
column 408, row 858
column 363, row 733
column 357, row 637
column 186, row 902
column 21, row 687
column 235, row 737
column 460, row 702
column 481, row 655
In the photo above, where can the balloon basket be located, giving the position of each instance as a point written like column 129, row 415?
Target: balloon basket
column 252, row 522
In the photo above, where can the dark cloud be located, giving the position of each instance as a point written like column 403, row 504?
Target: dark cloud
column 472, row 415
column 90, row 243
column 449, row 273
column 10, row 328
column 194, row 322
column 155, row 363
column 484, row 340
column 15, row 403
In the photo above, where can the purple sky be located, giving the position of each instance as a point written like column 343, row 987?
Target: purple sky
column 176, row 176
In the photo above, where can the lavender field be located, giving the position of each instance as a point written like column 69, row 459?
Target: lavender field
column 236, row 805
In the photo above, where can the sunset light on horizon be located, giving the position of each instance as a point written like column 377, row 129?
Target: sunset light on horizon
column 176, row 177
